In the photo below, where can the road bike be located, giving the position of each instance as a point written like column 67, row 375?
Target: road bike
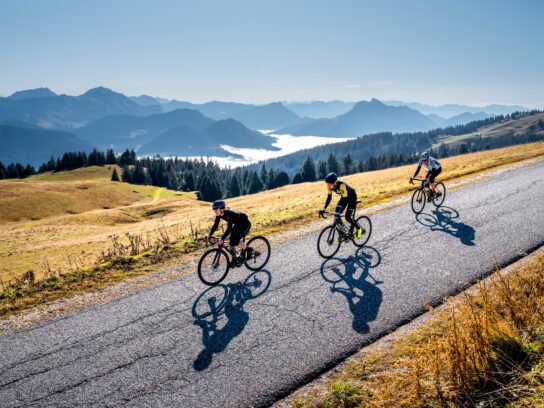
column 423, row 194
column 215, row 263
column 330, row 239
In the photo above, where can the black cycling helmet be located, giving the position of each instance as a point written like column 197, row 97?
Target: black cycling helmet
column 331, row 178
column 218, row 204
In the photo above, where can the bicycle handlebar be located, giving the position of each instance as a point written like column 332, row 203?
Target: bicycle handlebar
column 209, row 240
column 322, row 214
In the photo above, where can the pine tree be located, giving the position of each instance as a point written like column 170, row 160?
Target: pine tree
column 348, row 164
column 2, row 171
column 255, row 184
column 281, row 179
column 264, row 177
column 127, row 174
column 298, row 178
column 332, row 164
column 308, row 170
column 234, row 187
column 270, row 181
column 28, row 171
column 322, row 170
column 189, row 181
column 114, row 175
column 110, row 157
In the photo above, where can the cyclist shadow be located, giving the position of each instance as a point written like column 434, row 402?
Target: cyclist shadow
column 444, row 219
column 219, row 311
column 350, row 279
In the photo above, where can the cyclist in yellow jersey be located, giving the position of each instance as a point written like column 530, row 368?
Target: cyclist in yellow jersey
column 348, row 198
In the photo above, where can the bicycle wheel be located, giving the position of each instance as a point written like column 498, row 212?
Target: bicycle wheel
column 256, row 284
column 365, row 223
column 261, row 253
column 418, row 201
column 439, row 200
column 213, row 266
column 328, row 243
column 210, row 302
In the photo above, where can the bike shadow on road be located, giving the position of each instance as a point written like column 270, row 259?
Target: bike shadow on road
column 219, row 311
column 352, row 278
column 444, row 219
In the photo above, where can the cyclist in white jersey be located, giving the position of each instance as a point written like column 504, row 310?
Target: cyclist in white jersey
column 434, row 169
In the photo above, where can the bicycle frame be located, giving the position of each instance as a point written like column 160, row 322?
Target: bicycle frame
column 424, row 183
column 337, row 223
column 233, row 256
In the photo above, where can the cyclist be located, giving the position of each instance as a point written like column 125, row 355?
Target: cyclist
column 238, row 225
column 434, row 169
column 348, row 199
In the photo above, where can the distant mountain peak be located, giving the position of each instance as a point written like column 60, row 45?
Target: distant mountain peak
column 100, row 91
column 33, row 93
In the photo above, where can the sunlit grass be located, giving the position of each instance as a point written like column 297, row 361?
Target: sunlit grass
column 71, row 224
column 482, row 349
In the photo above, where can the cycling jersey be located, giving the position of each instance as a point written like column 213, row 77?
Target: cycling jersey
column 341, row 188
column 235, row 219
column 348, row 198
column 432, row 165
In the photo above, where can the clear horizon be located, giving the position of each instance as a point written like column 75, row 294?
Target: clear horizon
column 434, row 53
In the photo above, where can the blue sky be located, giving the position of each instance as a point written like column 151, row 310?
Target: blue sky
column 473, row 52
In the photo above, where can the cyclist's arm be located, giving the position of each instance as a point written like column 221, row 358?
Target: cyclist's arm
column 230, row 224
column 341, row 203
column 328, row 200
column 215, row 225
column 417, row 170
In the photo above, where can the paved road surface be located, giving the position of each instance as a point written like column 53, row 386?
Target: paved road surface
column 275, row 329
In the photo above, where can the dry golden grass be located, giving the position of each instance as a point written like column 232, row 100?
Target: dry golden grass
column 59, row 239
column 481, row 349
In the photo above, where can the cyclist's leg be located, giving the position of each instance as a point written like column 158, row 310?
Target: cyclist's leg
column 342, row 204
column 432, row 179
column 350, row 212
column 238, row 234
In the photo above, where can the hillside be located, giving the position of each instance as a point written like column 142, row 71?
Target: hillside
column 34, row 146
column 365, row 118
column 48, row 216
column 207, row 141
column 129, row 131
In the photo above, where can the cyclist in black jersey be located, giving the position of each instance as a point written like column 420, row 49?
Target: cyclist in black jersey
column 238, row 226
column 348, row 198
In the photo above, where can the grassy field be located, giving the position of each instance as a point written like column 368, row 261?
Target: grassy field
column 484, row 348
column 57, row 223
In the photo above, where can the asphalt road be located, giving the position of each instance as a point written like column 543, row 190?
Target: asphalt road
column 273, row 330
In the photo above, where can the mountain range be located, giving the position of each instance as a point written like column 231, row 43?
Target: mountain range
column 64, row 112
column 179, row 132
column 185, row 140
column 365, row 118
column 460, row 119
column 449, row 110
